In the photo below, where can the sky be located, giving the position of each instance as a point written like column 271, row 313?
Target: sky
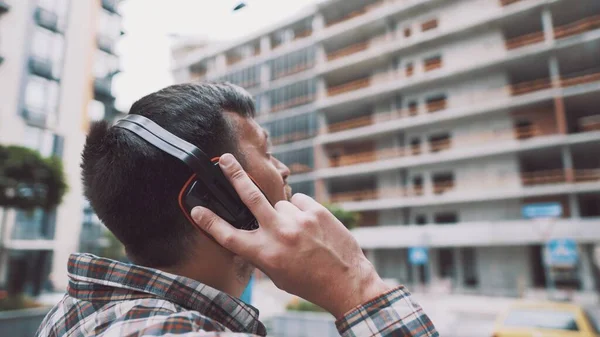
column 151, row 24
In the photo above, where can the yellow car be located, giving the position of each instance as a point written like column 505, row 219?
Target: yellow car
column 546, row 319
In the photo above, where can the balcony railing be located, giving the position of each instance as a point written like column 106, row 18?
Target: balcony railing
column 46, row 19
column 432, row 64
column 436, row 105
column 435, row 146
column 355, row 48
column 231, row 60
column 105, row 44
column 4, row 7
column 508, row 2
column 590, row 123
column 529, row 179
column 298, row 168
column 579, row 78
column 577, row 27
column 35, row 117
column 292, row 137
column 292, row 103
column 111, row 5
column 294, row 70
column 530, row 86
column 524, row 40
column 103, row 87
column 303, row 34
column 350, row 86
column 351, row 124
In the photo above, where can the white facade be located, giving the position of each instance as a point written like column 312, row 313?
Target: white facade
column 438, row 121
column 47, row 111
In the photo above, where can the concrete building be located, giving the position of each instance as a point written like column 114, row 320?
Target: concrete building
column 439, row 121
column 57, row 62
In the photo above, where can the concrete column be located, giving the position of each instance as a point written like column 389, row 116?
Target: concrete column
column 547, row 26
column 586, row 274
column 567, row 162
column 265, row 44
column 574, row 206
column 321, row 123
column 427, row 182
column 559, row 104
column 220, row 62
column 433, row 266
column 459, row 275
column 321, row 192
column 554, row 69
column 320, row 55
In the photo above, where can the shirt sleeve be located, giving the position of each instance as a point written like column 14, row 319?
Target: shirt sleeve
column 393, row 313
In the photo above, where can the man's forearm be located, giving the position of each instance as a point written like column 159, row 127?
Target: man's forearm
column 393, row 313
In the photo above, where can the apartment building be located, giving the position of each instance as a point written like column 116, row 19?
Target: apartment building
column 440, row 122
column 57, row 61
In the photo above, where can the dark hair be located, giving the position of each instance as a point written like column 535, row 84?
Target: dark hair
column 133, row 187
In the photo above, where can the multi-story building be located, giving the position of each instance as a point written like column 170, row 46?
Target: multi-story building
column 439, row 121
column 57, row 62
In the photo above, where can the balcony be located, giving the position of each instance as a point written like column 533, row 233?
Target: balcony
column 292, row 103
column 103, row 88
column 292, row 137
column 481, row 233
column 111, row 5
column 437, row 146
column 294, row 70
column 231, row 60
column 350, row 124
column 4, row 7
column 356, row 13
column 469, row 191
column 505, row 3
column 525, row 40
column 47, row 19
column 298, row 168
column 432, row 63
column 589, row 123
column 436, row 104
column 349, row 86
column 352, row 49
column 42, row 67
column 106, row 44
column 577, row 27
column 530, row 86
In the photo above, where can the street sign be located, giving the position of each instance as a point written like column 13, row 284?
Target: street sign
column 542, row 210
column 418, row 255
column 561, row 253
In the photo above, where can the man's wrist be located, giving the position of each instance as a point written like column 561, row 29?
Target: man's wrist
column 368, row 287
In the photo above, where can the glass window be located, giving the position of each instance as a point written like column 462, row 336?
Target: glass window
column 544, row 319
column 39, row 139
column 105, row 64
column 48, row 46
column 96, row 110
column 109, row 24
column 41, row 95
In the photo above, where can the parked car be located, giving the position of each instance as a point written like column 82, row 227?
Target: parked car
column 545, row 319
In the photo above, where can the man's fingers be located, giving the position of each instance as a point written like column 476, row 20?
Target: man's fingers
column 237, row 241
column 304, row 202
column 250, row 194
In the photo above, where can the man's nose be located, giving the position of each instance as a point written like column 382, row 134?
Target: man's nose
column 283, row 169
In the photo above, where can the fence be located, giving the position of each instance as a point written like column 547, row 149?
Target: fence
column 21, row 323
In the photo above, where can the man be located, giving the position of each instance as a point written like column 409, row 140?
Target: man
column 186, row 276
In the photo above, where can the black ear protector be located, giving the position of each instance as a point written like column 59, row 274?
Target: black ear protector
column 207, row 187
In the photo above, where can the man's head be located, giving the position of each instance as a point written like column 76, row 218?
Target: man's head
column 133, row 186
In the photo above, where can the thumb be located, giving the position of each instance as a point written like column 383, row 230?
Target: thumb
column 225, row 234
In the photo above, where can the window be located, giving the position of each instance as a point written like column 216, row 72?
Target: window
column 417, row 183
column 410, row 69
column 446, row 218
column 413, row 108
column 421, row 219
column 440, row 142
column 292, row 129
column 59, row 7
column 429, row 25
column 415, row 145
column 41, row 95
column 542, row 319
column 48, row 47
column 109, row 25
column 307, row 187
column 433, row 62
column 436, row 103
column 469, row 265
column 443, row 182
column 246, row 78
column 96, row 110
column 41, row 140
column 292, row 63
column 407, row 32
column 292, row 95
column 105, row 64
column 299, row 161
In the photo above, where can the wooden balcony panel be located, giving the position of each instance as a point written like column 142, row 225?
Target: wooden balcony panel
column 298, row 168
column 577, row 27
column 352, row 49
column 292, row 103
column 351, row 124
column 295, row 70
column 587, row 175
column 543, row 177
column 432, row 65
column 437, row 105
column 442, row 187
column 350, row 86
column 590, row 123
column 530, row 86
column 525, row 40
column 567, row 81
column 440, row 145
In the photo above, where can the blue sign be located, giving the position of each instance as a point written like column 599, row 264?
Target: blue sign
column 542, row 210
column 561, row 253
column 418, row 255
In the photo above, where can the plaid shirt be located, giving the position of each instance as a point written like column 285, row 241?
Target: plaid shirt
column 109, row 298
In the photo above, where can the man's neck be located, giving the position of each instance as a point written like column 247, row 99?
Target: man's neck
column 216, row 267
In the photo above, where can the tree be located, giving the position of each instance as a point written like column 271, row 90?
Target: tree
column 349, row 219
column 27, row 181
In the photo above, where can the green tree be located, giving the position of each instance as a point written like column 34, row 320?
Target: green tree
column 349, row 219
column 27, row 181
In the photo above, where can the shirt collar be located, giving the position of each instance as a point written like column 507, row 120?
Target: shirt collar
column 97, row 279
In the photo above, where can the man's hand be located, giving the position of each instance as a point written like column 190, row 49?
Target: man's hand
column 300, row 245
